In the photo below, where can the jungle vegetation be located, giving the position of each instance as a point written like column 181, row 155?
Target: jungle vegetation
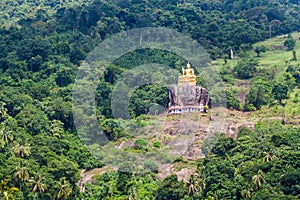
column 42, row 45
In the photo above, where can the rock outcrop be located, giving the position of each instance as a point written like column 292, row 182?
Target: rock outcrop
column 187, row 95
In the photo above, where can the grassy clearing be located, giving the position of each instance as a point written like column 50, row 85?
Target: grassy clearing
column 273, row 57
column 276, row 57
column 275, row 60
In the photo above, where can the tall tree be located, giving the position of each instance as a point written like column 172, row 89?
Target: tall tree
column 258, row 179
column 63, row 189
column 37, row 183
column 3, row 111
column 280, row 91
column 290, row 42
column 260, row 93
column 6, row 136
column 21, row 150
column 21, row 174
column 193, row 186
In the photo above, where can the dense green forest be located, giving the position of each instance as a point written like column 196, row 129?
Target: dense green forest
column 42, row 45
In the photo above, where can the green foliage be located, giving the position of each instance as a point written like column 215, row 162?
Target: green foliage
column 249, row 107
column 260, row 49
column 43, row 42
column 232, row 101
column 7, row 192
column 157, row 144
column 140, row 144
column 205, row 108
column 124, row 176
column 146, row 97
column 151, row 166
column 260, row 94
column 290, row 42
column 246, row 68
column 63, row 189
column 289, row 183
column 65, row 76
column 294, row 56
column 226, row 74
column 103, row 100
column 171, row 188
column 111, row 129
column 33, row 120
column 295, row 71
column 223, row 145
column 280, row 91
column 258, row 165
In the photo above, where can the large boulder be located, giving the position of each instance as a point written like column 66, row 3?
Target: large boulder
column 187, row 95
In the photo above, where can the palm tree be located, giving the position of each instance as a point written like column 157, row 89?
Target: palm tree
column 193, row 185
column 6, row 136
column 21, row 150
column 63, row 189
column 3, row 111
column 258, row 179
column 247, row 192
column 21, row 173
column 269, row 156
column 201, row 177
column 132, row 193
column 37, row 183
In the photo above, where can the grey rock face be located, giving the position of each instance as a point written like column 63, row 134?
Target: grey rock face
column 187, row 95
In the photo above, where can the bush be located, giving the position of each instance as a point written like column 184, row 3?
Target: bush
column 140, row 144
column 249, row 107
column 290, row 42
column 171, row 188
column 151, row 166
column 111, row 129
column 290, row 183
column 260, row 94
column 246, row 68
column 260, row 49
column 232, row 101
column 205, row 109
column 157, row 144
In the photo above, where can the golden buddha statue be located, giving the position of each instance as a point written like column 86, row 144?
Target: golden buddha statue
column 188, row 76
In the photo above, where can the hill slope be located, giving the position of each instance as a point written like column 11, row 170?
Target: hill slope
column 42, row 44
column 259, row 148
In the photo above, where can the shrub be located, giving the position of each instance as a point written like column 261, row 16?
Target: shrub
column 290, row 42
column 249, row 107
column 151, row 166
column 157, row 144
column 246, row 68
column 140, row 144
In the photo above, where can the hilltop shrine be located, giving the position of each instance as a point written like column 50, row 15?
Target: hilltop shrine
column 187, row 96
